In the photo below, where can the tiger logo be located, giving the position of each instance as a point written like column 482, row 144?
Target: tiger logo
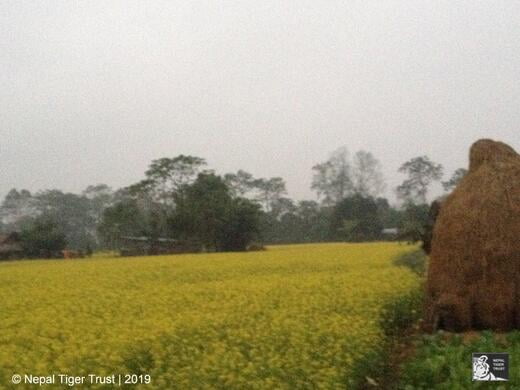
column 481, row 370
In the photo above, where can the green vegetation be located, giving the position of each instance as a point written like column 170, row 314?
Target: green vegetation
column 443, row 361
column 180, row 198
column 356, row 218
column 415, row 260
column 205, row 211
column 42, row 237
column 399, row 318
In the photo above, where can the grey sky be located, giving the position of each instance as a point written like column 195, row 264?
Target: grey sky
column 92, row 91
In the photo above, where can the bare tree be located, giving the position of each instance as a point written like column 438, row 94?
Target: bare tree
column 367, row 175
column 16, row 207
column 332, row 179
column 457, row 176
column 239, row 183
column 269, row 191
column 421, row 173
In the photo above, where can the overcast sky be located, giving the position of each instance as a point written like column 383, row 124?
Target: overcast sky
column 92, row 91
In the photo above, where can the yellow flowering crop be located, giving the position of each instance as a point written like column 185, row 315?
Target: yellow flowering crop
column 291, row 317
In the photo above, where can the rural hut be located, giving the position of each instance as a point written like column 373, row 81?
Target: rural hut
column 10, row 246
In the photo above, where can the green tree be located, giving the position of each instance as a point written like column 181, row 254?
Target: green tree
column 166, row 178
column 200, row 211
column 414, row 221
column 314, row 221
column 390, row 216
column 100, row 196
column 421, row 172
column 356, row 218
column 74, row 214
column 43, row 237
column 304, row 221
column 124, row 218
column 269, row 191
column 282, row 206
column 240, row 183
column 207, row 213
column 16, row 207
column 242, row 225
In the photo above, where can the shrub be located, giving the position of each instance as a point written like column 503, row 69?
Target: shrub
column 378, row 366
column 416, row 261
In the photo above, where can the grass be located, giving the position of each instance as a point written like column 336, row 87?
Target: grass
column 443, row 361
column 291, row 317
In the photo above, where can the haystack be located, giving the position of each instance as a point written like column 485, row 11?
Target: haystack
column 474, row 273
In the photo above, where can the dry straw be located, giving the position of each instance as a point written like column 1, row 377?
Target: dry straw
column 474, row 273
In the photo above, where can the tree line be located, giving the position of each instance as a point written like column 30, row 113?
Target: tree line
column 182, row 198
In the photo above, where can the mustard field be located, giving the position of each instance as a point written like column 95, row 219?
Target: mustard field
column 291, row 317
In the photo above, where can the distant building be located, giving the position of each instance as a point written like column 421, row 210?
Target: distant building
column 147, row 246
column 390, row 233
column 10, row 246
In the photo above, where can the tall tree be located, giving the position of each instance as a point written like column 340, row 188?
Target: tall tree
column 332, row 179
column 242, row 225
column 43, row 237
column 239, row 183
column 209, row 214
column 73, row 212
column 201, row 211
column 313, row 221
column 414, row 221
column 281, row 206
column 421, row 172
column 269, row 191
column 367, row 175
column 389, row 216
column 100, row 197
column 166, row 177
column 101, row 194
column 124, row 218
column 454, row 180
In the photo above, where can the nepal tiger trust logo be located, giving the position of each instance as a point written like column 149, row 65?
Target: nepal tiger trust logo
column 490, row 366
